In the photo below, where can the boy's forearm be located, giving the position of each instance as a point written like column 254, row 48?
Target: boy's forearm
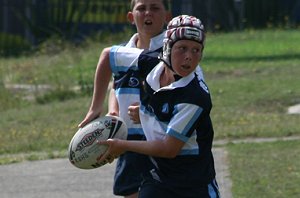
column 166, row 148
column 113, row 106
column 101, row 81
column 151, row 148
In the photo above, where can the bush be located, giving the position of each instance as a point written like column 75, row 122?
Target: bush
column 13, row 44
column 58, row 95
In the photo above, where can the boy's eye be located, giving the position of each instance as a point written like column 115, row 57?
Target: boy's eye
column 141, row 8
column 185, row 49
column 195, row 50
column 182, row 48
column 154, row 8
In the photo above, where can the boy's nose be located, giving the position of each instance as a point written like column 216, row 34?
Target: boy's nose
column 148, row 12
column 188, row 55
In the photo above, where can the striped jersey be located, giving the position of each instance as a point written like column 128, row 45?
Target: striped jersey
column 127, row 84
column 181, row 110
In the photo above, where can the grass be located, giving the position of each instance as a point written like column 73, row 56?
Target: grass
column 253, row 80
column 40, row 131
column 43, row 128
column 253, row 77
column 265, row 169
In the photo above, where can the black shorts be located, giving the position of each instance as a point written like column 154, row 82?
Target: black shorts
column 153, row 188
column 129, row 170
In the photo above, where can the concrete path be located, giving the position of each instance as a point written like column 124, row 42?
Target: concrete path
column 54, row 179
column 59, row 179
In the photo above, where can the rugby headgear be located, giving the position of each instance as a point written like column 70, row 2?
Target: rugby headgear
column 182, row 27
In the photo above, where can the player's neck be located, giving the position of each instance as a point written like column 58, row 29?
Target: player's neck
column 143, row 43
column 166, row 77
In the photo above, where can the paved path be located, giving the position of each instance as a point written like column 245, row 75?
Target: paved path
column 54, row 179
column 59, row 179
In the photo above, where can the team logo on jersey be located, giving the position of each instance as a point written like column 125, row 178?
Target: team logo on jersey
column 133, row 82
column 204, row 87
column 165, row 108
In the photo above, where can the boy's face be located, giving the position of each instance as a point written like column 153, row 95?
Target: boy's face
column 149, row 16
column 185, row 56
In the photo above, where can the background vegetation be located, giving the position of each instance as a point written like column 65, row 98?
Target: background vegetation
column 253, row 78
column 25, row 24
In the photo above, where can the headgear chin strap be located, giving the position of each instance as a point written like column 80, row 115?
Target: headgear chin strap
column 182, row 27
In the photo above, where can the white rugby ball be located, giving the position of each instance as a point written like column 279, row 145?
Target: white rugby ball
column 84, row 150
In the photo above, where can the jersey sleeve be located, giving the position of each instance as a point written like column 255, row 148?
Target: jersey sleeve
column 123, row 58
column 184, row 121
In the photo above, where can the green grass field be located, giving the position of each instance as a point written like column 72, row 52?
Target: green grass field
column 253, row 77
column 265, row 169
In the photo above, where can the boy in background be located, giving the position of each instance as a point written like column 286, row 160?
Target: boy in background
column 149, row 17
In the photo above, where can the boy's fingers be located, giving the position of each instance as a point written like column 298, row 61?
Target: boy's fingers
column 110, row 158
column 106, row 157
column 103, row 157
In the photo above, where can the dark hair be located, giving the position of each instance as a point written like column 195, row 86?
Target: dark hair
column 165, row 2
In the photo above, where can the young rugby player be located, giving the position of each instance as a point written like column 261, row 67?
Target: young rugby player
column 175, row 115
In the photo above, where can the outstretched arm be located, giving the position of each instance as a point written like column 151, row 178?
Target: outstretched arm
column 169, row 147
column 102, row 77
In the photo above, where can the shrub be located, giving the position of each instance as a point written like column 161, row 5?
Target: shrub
column 13, row 44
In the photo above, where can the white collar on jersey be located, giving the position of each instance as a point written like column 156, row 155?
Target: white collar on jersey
column 155, row 42
column 154, row 76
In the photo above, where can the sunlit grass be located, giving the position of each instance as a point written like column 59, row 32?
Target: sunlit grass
column 251, row 82
column 253, row 77
column 265, row 169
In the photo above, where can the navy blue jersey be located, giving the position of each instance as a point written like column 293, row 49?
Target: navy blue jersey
column 180, row 110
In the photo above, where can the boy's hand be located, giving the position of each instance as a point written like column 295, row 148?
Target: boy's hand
column 133, row 112
column 112, row 151
column 91, row 115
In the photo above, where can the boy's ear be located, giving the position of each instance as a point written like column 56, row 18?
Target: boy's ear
column 130, row 18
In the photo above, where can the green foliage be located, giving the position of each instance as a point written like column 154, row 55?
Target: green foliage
column 12, row 44
column 65, row 68
column 60, row 95
column 7, row 99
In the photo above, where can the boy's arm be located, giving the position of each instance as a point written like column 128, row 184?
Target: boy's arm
column 169, row 147
column 101, row 81
column 102, row 78
column 113, row 105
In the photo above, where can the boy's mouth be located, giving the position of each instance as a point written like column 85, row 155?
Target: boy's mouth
column 148, row 22
column 186, row 67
